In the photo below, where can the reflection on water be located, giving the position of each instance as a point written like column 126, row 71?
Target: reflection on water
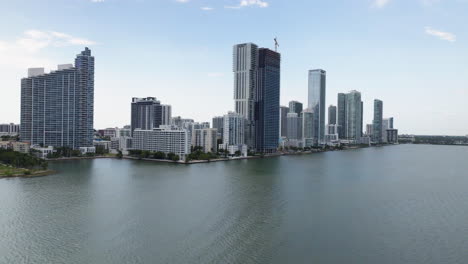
column 402, row 204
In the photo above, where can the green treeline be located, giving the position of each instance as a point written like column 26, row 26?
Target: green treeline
column 21, row 160
column 145, row 154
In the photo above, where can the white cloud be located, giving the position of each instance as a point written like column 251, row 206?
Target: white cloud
column 381, row 3
column 247, row 3
column 441, row 34
column 206, row 8
column 98, row 1
column 182, row 1
column 23, row 52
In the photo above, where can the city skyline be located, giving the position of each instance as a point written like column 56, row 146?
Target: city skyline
column 210, row 82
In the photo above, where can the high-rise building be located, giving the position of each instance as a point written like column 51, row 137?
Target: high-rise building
column 166, row 114
column 267, row 101
column 205, row 138
column 294, row 126
column 387, row 123
column 57, row 109
column 146, row 113
column 341, row 115
column 218, row 123
column 167, row 139
column 317, row 90
column 390, row 122
column 296, row 107
column 283, row 121
column 353, row 129
column 308, row 127
column 245, row 66
column 234, row 129
column 332, row 115
column 377, row 122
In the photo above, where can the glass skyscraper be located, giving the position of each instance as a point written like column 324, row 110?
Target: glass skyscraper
column 267, row 101
column 316, row 103
column 245, row 65
column 377, row 122
column 332, row 115
column 353, row 115
column 341, row 115
column 57, row 109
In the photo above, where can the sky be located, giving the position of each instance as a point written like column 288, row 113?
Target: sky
column 411, row 54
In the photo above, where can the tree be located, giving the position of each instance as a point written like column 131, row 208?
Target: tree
column 159, row 155
column 237, row 153
column 119, row 154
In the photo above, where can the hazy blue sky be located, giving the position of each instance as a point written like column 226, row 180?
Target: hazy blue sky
column 412, row 54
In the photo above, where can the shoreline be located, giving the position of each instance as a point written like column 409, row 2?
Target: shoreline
column 279, row 154
column 32, row 175
column 81, row 158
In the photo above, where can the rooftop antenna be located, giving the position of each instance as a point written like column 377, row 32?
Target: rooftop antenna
column 276, row 44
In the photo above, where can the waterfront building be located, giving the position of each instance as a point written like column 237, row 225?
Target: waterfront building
column 105, row 144
column 218, row 123
column 146, row 113
column 377, row 122
column 9, row 129
column 392, row 136
column 234, row 129
column 390, row 122
column 296, row 107
column 316, row 97
column 57, row 108
column 205, row 138
column 122, row 143
column 167, row 139
column 308, row 127
column 385, row 125
column 332, row 115
column 267, row 101
column 166, row 114
column 245, row 66
column 43, row 152
column 353, row 129
column 283, row 124
column 341, row 115
column 294, row 126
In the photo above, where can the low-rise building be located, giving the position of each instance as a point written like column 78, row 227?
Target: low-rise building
column 106, row 144
column 22, row 147
column 167, row 139
column 42, row 152
column 17, row 146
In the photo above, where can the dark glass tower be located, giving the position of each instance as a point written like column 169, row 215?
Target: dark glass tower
column 146, row 113
column 267, row 101
column 332, row 115
column 57, row 109
column 341, row 116
column 377, row 123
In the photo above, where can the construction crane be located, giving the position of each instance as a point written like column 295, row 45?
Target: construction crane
column 276, row 44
